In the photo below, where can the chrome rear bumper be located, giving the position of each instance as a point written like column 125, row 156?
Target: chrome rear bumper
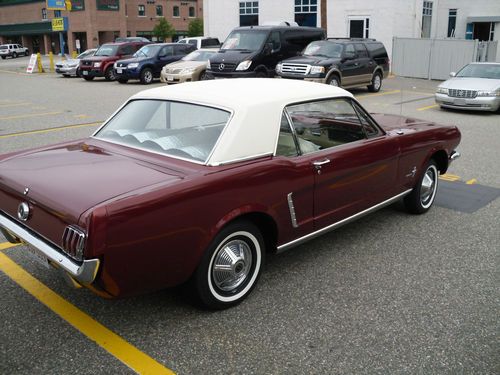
column 15, row 233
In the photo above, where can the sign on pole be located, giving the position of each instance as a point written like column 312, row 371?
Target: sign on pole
column 56, row 4
column 31, row 64
column 60, row 24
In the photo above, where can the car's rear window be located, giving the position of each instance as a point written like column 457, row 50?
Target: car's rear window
column 181, row 130
column 4, row 47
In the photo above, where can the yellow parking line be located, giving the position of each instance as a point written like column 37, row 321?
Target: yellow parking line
column 12, row 105
column 471, row 181
column 449, row 177
column 95, row 331
column 428, row 107
column 29, row 115
column 6, row 245
column 49, row 130
column 378, row 94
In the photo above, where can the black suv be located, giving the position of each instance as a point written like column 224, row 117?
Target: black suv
column 340, row 62
column 254, row 51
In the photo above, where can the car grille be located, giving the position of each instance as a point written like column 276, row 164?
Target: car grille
column 289, row 68
column 86, row 63
column 173, row 70
column 456, row 93
column 73, row 242
column 223, row 67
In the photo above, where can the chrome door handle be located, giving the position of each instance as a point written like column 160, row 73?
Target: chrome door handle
column 319, row 163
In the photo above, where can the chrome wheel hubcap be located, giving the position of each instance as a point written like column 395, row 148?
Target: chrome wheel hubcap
column 334, row 82
column 428, row 186
column 148, row 76
column 231, row 265
column 376, row 82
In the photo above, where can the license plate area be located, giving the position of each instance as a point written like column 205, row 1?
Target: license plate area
column 119, row 71
column 85, row 73
column 170, row 77
column 38, row 256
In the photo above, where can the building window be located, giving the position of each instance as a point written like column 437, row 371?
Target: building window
column 426, row 19
column 141, row 10
column 359, row 27
column 57, row 14
column 306, row 12
column 159, row 11
column 192, row 12
column 176, row 11
column 452, row 22
column 44, row 14
column 249, row 13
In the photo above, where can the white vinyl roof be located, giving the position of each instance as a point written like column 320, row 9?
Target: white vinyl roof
column 256, row 103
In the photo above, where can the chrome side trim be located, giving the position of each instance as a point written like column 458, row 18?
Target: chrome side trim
column 85, row 272
column 338, row 224
column 291, row 207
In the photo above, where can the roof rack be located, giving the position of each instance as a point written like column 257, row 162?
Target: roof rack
column 354, row 39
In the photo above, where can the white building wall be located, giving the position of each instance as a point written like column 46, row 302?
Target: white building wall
column 221, row 16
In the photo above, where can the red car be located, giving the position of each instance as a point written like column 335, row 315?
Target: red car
column 101, row 63
column 198, row 181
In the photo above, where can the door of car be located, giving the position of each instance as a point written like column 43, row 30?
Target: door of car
column 165, row 56
column 366, row 65
column 273, row 52
column 349, row 66
column 354, row 162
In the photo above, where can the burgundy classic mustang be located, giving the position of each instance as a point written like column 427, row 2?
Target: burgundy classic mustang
column 196, row 182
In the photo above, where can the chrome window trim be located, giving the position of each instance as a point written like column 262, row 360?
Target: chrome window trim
column 338, row 224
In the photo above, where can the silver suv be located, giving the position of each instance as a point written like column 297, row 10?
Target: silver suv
column 13, row 50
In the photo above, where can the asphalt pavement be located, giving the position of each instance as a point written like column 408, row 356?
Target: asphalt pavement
column 392, row 293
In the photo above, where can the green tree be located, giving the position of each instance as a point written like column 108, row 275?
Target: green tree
column 163, row 29
column 195, row 27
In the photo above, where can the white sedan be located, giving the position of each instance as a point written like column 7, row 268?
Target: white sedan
column 475, row 87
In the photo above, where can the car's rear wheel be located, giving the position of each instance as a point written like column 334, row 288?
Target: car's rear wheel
column 146, row 76
column 26, row 53
column 3, row 57
column 109, row 74
column 231, row 266
column 423, row 194
column 333, row 80
column 78, row 73
column 376, row 84
column 14, row 54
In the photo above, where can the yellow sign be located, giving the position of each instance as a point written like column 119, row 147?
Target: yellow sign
column 58, row 24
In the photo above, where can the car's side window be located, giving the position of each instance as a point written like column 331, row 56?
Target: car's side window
column 371, row 130
column 166, row 51
column 286, row 141
column 323, row 124
column 274, row 39
column 361, row 50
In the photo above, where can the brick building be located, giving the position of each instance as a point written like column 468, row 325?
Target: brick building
column 91, row 22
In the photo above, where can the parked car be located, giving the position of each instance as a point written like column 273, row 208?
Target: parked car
column 475, row 87
column 101, row 63
column 13, row 50
column 147, row 62
column 191, row 67
column 132, row 39
column 198, row 181
column 201, row 42
column 70, row 67
column 254, row 51
column 340, row 62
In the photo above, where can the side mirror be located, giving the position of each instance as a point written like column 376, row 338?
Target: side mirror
column 453, row 74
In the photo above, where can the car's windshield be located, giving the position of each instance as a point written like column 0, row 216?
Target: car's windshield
column 182, row 130
column 323, row 49
column 245, row 40
column 198, row 55
column 491, row 71
column 107, row 50
column 148, row 51
column 87, row 53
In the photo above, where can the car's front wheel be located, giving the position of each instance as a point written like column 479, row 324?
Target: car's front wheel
column 146, row 76
column 333, row 80
column 109, row 74
column 14, row 55
column 423, row 194
column 26, row 53
column 231, row 266
column 376, row 84
column 203, row 76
